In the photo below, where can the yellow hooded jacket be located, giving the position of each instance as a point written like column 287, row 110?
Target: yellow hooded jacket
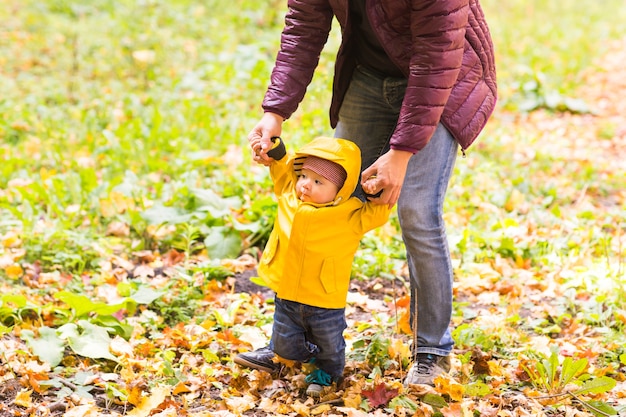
column 308, row 257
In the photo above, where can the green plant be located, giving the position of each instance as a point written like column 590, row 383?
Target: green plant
column 567, row 378
column 373, row 348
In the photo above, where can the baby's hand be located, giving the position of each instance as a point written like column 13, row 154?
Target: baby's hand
column 369, row 186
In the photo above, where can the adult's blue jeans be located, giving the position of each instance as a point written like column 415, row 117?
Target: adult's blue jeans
column 301, row 332
column 368, row 117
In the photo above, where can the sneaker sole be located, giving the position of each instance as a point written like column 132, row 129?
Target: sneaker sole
column 314, row 392
column 248, row 364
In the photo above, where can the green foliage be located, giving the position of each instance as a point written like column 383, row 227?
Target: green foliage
column 374, row 349
column 550, row 375
column 136, row 113
column 379, row 256
column 466, row 336
column 542, row 48
column 554, row 376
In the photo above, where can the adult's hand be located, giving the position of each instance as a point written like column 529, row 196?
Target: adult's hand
column 387, row 174
column 260, row 136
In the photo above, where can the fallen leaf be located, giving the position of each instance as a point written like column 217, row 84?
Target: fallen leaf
column 324, row 408
column 23, row 398
column 240, row 404
column 85, row 410
column 380, row 395
column 148, row 404
column 13, row 271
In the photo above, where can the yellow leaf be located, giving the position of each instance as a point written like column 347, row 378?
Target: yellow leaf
column 399, row 349
column 11, row 240
column 515, row 200
column 495, row 369
column 352, row 400
column 456, row 391
column 23, row 398
column 321, row 409
column 181, row 388
column 447, row 386
column 147, row 404
column 134, row 396
column 46, row 173
column 287, row 362
column 14, row 271
column 301, row 408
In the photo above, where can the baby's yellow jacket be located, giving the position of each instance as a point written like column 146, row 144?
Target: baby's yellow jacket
column 308, row 257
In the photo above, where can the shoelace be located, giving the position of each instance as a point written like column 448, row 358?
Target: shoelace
column 318, row 377
column 425, row 363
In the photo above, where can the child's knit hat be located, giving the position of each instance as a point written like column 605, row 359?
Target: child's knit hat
column 330, row 170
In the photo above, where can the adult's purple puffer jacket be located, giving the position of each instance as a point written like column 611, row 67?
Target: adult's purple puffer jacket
column 442, row 46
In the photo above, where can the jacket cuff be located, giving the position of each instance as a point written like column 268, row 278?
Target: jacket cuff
column 278, row 151
column 404, row 148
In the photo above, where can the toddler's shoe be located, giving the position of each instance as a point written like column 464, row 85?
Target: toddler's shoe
column 261, row 359
column 317, row 380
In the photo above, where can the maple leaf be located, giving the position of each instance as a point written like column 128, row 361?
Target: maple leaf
column 380, row 395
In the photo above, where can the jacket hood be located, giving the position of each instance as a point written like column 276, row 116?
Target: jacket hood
column 341, row 151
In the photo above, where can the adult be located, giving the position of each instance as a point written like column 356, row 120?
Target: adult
column 414, row 80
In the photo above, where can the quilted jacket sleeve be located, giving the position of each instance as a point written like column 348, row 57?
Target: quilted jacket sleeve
column 307, row 26
column 438, row 42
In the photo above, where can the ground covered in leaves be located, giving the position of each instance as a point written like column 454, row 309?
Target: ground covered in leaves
column 534, row 335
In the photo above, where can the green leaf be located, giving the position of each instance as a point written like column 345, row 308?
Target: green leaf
column 209, row 356
column 597, row 386
column 259, row 281
column 221, row 244
column 113, row 325
column 403, row 402
column 48, row 346
column 93, row 342
column 82, row 305
column 19, row 300
column 216, row 206
column 159, row 214
column 477, row 389
column 570, row 369
column 436, row 401
column 146, row 295
column 600, row 408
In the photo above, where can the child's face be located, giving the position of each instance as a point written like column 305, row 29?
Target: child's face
column 313, row 188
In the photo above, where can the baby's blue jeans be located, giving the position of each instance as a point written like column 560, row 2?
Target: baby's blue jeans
column 302, row 333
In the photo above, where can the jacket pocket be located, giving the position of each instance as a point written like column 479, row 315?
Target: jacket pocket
column 270, row 249
column 328, row 276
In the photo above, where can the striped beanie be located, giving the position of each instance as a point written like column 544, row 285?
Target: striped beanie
column 330, row 170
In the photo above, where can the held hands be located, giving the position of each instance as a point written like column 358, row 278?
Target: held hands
column 386, row 174
column 260, row 137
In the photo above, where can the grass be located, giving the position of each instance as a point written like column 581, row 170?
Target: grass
column 546, row 45
column 116, row 115
column 125, row 111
